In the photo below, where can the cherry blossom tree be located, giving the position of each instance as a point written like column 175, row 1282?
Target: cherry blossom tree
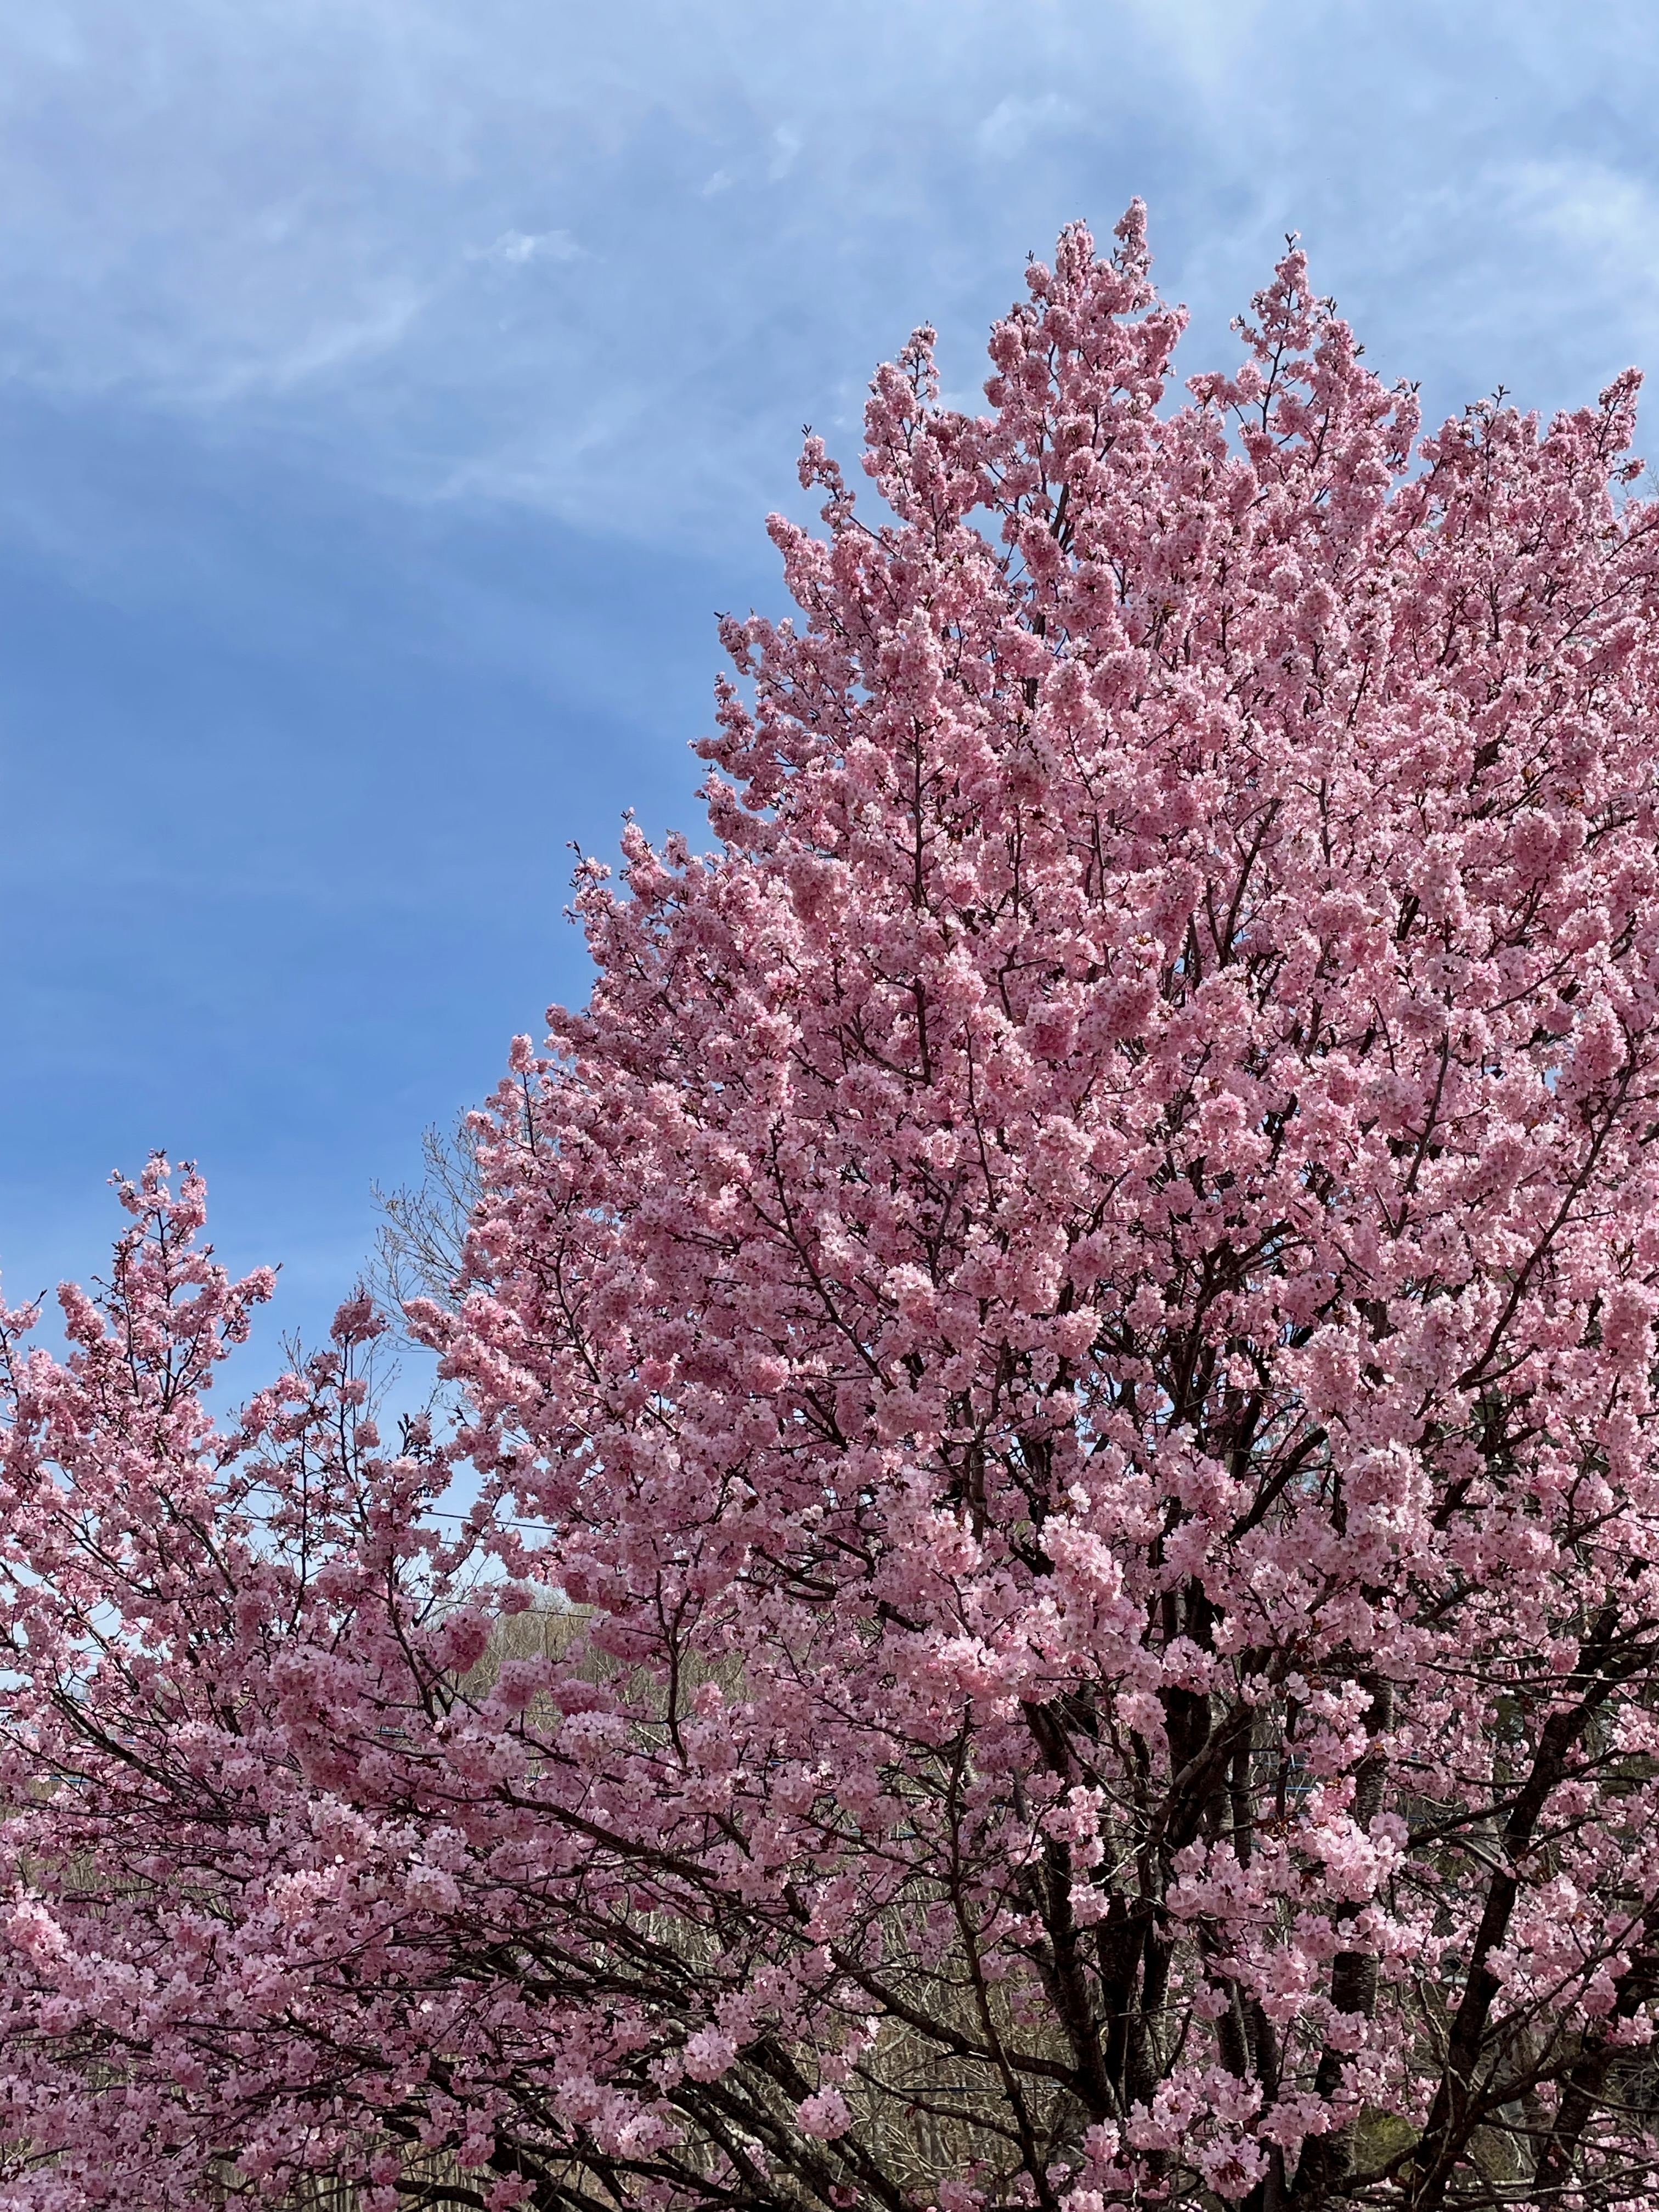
column 1063, row 1604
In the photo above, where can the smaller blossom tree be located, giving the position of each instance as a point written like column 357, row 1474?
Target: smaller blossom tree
column 1059, row 1362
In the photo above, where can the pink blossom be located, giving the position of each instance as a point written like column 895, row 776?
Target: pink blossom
column 824, row 2114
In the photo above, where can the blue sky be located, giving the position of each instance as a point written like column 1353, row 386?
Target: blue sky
column 394, row 389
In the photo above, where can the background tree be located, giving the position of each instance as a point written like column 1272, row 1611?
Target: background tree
column 421, row 1249
column 1073, row 1324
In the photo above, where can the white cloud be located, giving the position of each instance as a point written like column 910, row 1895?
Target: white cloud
column 328, row 347
column 290, row 207
column 1013, row 124
column 1586, row 205
column 1582, row 239
column 514, row 249
column 1209, row 41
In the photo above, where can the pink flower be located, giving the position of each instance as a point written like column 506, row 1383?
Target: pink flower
column 824, row 2114
column 708, row 2053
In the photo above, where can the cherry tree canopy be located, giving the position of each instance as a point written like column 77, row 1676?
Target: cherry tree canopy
column 1064, row 1606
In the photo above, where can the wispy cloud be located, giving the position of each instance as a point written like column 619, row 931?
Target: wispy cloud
column 1608, row 215
column 330, row 348
column 321, row 212
column 516, row 249
column 1013, row 122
